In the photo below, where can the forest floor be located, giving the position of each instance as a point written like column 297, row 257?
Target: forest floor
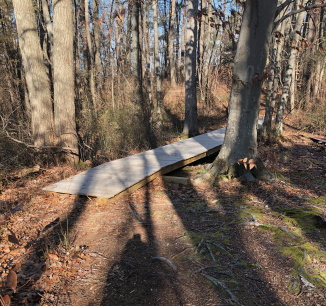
column 234, row 243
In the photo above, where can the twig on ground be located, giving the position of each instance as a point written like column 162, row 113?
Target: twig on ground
column 210, row 252
column 168, row 261
column 218, row 283
column 179, row 253
column 199, row 245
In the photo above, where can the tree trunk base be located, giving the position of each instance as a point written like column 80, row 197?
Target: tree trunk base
column 221, row 167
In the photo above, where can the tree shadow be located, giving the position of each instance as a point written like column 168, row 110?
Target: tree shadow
column 140, row 276
column 312, row 160
column 213, row 224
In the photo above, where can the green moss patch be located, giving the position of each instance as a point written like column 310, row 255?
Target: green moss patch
column 308, row 220
column 319, row 201
column 304, row 257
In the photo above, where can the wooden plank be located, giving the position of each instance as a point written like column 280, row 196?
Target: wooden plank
column 320, row 140
column 125, row 175
column 176, row 179
column 130, row 173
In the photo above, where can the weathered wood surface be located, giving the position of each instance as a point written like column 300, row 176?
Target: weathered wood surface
column 127, row 174
column 321, row 140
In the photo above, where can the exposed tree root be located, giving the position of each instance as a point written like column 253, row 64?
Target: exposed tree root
column 221, row 167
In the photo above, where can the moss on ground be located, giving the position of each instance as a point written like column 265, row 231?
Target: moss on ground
column 304, row 255
column 319, row 201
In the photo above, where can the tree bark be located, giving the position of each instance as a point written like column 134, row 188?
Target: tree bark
column 64, row 76
column 91, row 58
column 157, row 65
column 206, row 57
column 274, row 78
column 291, row 65
column 248, row 74
column 136, row 67
column 97, row 54
column 37, row 80
column 171, row 44
column 183, row 46
column 48, row 25
column 190, row 127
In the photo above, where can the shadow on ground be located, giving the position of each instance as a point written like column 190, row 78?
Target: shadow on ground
column 139, row 277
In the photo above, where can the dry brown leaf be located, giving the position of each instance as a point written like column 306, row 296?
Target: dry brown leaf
column 2, row 219
column 53, row 257
column 12, row 280
column 12, row 238
column 16, row 267
column 5, row 300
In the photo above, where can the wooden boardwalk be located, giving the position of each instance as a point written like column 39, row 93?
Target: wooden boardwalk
column 127, row 174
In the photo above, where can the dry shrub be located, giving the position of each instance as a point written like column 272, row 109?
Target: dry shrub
column 312, row 120
column 14, row 156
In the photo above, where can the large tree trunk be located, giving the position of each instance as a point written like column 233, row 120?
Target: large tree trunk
column 248, row 74
column 64, row 75
column 37, row 80
column 190, row 127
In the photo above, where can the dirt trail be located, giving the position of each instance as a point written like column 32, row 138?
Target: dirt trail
column 171, row 244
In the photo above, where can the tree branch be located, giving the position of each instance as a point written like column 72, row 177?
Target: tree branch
column 72, row 150
column 307, row 8
column 282, row 6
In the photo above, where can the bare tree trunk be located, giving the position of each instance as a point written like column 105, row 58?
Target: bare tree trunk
column 200, row 47
column 64, row 75
column 37, row 80
column 171, row 44
column 190, row 127
column 86, row 60
column 206, row 57
column 147, row 59
column 248, row 74
column 274, row 80
column 48, row 24
column 289, row 72
column 157, row 64
column 91, row 58
column 97, row 54
column 314, row 68
column 136, row 63
column 177, row 43
column 183, row 46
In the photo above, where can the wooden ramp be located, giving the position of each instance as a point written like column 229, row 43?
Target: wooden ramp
column 127, row 174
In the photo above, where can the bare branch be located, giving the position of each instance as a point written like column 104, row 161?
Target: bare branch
column 307, row 8
column 282, row 6
column 72, row 150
